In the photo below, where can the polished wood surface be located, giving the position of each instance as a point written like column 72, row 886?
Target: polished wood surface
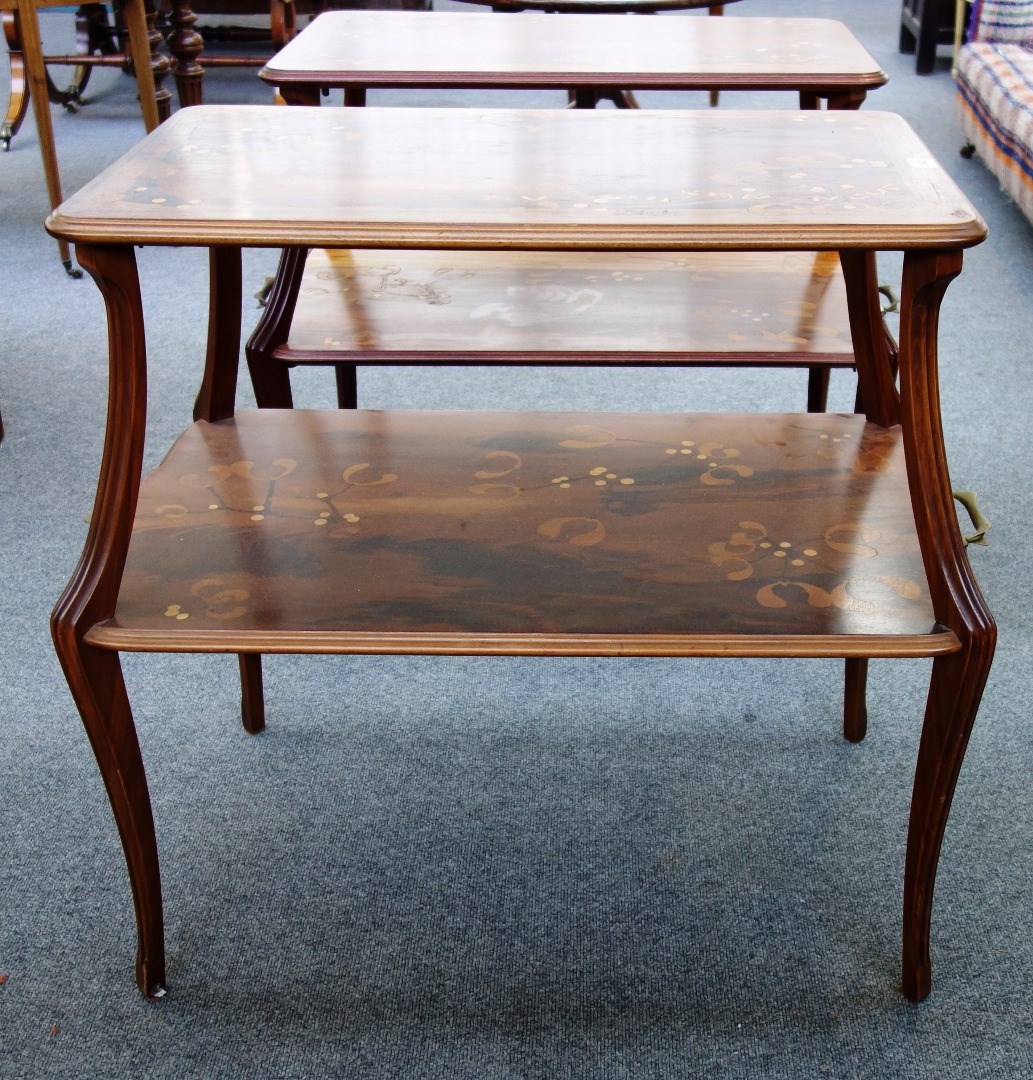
column 525, row 179
column 528, row 532
column 669, row 510
column 395, row 48
column 570, row 307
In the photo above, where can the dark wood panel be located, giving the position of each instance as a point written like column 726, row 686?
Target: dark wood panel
column 462, row 531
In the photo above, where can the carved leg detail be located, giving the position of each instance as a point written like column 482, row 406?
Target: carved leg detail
column 958, row 679
column 95, row 679
column 269, row 377
column 185, row 44
column 252, row 694
column 954, row 695
column 855, row 709
column 159, row 63
column 18, row 104
column 95, row 676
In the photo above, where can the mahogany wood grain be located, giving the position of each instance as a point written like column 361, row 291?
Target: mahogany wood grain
column 957, row 684
column 527, row 179
column 595, row 534
column 215, row 399
column 95, row 676
column 713, row 308
column 365, row 49
column 545, row 534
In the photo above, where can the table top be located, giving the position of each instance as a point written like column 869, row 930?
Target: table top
column 495, row 532
column 531, row 179
column 401, row 48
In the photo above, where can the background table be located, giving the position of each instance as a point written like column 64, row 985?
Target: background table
column 753, row 304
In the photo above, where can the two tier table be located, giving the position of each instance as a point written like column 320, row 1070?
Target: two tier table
column 548, row 534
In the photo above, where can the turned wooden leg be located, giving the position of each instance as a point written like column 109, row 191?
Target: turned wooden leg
column 18, row 103
column 855, row 709
column 269, row 376
column 252, row 694
column 36, row 72
column 159, row 62
column 149, row 68
column 957, row 679
column 95, row 676
column 185, row 44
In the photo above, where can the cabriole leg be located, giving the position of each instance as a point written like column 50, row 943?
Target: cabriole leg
column 95, row 676
column 957, row 680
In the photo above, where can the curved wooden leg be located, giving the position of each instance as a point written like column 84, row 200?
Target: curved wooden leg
column 818, row 389
column 269, row 377
column 217, row 396
column 95, row 676
column 855, row 708
column 95, row 679
column 957, row 680
column 18, row 103
column 954, row 694
column 252, row 694
column 875, row 377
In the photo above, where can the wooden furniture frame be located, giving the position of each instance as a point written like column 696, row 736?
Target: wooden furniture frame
column 795, row 536
column 924, row 25
column 818, row 59
column 35, row 86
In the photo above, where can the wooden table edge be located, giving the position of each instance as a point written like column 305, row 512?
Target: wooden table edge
column 110, row 635
column 575, row 236
column 827, row 82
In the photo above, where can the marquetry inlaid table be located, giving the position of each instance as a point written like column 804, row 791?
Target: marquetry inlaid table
column 773, row 309
column 350, row 531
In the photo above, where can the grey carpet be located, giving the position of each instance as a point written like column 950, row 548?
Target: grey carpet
column 501, row 868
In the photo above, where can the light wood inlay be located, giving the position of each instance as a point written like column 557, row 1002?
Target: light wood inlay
column 725, row 307
column 675, row 180
column 395, row 48
column 519, row 532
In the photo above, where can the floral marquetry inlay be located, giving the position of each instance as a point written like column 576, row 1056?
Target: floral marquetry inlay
column 528, row 523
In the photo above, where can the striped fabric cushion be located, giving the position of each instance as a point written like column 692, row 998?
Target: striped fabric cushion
column 995, row 86
column 1002, row 20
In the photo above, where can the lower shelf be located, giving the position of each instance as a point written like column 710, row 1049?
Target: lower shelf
column 528, row 533
column 769, row 308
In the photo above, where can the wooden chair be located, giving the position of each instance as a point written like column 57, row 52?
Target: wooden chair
column 27, row 25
